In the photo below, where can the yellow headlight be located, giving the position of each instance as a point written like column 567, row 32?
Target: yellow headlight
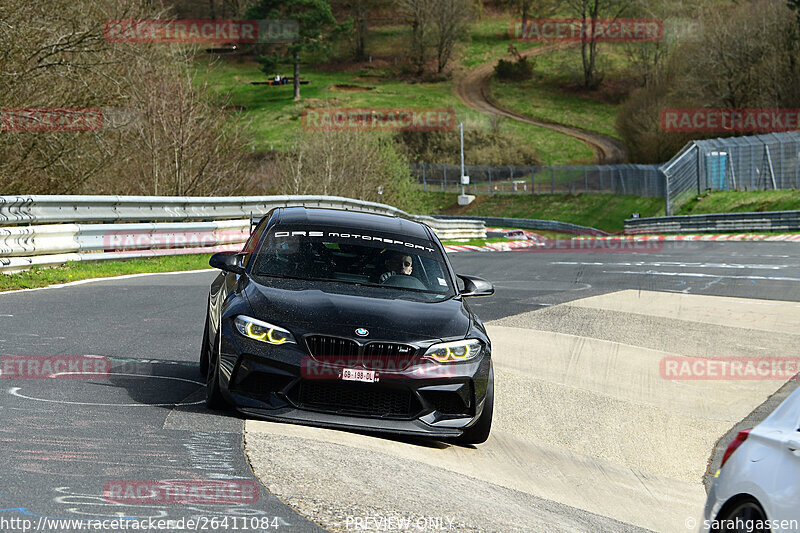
column 454, row 351
column 262, row 331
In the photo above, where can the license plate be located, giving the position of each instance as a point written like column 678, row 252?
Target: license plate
column 352, row 374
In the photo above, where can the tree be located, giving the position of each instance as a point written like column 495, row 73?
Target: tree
column 450, row 21
column 419, row 14
column 317, row 29
column 358, row 11
column 161, row 132
column 590, row 12
column 742, row 60
column 794, row 5
column 344, row 163
column 527, row 8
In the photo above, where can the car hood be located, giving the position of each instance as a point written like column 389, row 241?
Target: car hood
column 329, row 313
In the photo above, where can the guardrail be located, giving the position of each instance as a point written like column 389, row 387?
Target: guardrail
column 770, row 221
column 51, row 230
column 530, row 223
column 44, row 209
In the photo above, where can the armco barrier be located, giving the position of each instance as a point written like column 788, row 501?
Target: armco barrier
column 771, row 221
column 46, row 243
column 45, row 209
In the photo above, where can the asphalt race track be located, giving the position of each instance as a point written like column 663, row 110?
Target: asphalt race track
column 588, row 436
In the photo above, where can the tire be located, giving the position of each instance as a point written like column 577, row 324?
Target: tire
column 479, row 431
column 744, row 509
column 214, row 398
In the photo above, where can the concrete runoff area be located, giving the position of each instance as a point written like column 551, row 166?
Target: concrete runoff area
column 588, row 435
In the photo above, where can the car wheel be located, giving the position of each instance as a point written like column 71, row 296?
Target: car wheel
column 479, row 431
column 204, row 350
column 214, row 398
column 744, row 511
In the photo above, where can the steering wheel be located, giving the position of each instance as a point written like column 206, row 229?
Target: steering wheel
column 404, row 281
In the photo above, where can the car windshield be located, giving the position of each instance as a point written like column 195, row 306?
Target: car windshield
column 368, row 259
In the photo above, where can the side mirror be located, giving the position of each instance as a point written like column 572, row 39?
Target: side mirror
column 227, row 261
column 475, row 286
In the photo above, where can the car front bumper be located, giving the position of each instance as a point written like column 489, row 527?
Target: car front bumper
column 284, row 383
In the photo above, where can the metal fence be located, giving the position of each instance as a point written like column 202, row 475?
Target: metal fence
column 638, row 180
column 759, row 162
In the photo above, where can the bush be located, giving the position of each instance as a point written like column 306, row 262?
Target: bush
column 481, row 147
column 520, row 70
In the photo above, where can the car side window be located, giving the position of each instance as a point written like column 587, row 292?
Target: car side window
column 252, row 242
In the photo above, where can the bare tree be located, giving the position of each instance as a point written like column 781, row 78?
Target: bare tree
column 359, row 10
column 418, row 13
column 352, row 164
column 183, row 144
column 589, row 12
column 451, row 20
column 54, row 54
column 531, row 8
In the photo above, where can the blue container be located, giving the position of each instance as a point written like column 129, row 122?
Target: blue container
column 716, row 163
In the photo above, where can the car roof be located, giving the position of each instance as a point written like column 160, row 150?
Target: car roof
column 351, row 220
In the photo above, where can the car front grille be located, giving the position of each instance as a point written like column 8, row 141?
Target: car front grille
column 323, row 346
column 386, row 356
column 356, row 398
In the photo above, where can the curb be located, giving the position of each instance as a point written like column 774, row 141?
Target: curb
column 538, row 240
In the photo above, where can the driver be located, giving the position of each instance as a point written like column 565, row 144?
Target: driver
column 397, row 264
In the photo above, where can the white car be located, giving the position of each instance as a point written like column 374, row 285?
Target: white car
column 757, row 487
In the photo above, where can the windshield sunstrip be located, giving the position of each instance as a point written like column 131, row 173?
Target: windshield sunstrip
column 355, row 236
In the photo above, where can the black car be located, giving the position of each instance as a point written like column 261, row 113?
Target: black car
column 348, row 320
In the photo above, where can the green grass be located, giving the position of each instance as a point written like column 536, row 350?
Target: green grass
column 545, row 98
column 553, row 148
column 742, row 202
column 602, row 211
column 489, row 40
column 41, row 277
column 274, row 117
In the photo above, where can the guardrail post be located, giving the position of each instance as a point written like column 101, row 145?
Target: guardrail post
column 667, row 203
column 444, row 177
column 699, row 169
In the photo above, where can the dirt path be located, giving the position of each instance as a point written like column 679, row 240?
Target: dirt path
column 472, row 89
